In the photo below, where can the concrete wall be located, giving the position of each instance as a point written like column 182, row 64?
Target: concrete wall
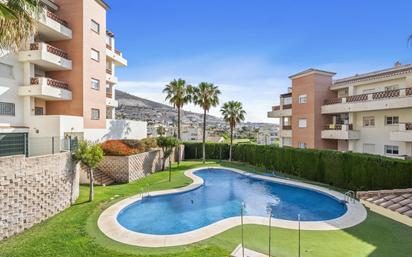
column 34, row 189
column 9, row 86
column 118, row 129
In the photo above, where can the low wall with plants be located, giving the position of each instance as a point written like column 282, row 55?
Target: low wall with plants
column 348, row 170
column 125, row 169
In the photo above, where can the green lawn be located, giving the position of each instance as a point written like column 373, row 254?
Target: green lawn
column 74, row 232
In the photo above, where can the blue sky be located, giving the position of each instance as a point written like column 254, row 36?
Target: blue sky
column 250, row 47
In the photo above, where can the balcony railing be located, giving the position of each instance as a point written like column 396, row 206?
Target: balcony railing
column 339, row 126
column 57, row 19
column 50, row 82
column 287, row 106
column 50, row 49
column 109, row 94
column 109, row 71
column 108, row 46
column 276, row 108
column 386, row 94
column 118, row 52
column 287, row 127
column 369, row 97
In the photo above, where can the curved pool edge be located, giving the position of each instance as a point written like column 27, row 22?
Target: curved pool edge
column 108, row 224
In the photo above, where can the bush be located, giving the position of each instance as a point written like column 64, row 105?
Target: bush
column 128, row 147
column 353, row 171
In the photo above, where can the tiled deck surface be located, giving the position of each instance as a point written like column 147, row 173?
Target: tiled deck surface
column 397, row 200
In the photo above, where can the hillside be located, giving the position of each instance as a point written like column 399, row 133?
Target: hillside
column 137, row 108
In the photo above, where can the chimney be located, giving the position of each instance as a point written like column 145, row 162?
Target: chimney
column 398, row 64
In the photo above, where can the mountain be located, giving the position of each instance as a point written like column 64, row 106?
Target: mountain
column 136, row 108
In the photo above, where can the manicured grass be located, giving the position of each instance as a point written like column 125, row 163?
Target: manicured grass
column 74, row 232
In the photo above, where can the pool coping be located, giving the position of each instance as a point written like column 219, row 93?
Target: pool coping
column 108, row 224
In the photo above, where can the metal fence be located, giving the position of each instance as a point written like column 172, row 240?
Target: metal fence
column 22, row 144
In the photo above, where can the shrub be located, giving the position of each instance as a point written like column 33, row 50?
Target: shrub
column 349, row 170
column 126, row 147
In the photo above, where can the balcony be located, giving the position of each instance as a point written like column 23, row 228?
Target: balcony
column 392, row 99
column 340, row 132
column 286, row 131
column 115, row 56
column 110, row 101
column 280, row 111
column 52, row 28
column 110, row 78
column 48, row 57
column 403, row 134
column 47, row 89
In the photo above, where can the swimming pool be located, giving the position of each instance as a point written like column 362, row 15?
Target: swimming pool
column 220, row 197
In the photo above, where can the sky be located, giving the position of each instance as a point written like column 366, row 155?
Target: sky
column 249, row 47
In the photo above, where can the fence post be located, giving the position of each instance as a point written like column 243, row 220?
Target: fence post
column 298, row 235
column 270, row 231
column 52, row 145
column 241, row 221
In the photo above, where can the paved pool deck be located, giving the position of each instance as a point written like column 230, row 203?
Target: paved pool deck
column 108, row 224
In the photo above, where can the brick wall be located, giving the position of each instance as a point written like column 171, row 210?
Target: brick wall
column 124, row 169
column 34, row 189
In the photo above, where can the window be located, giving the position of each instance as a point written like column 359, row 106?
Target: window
column 95, row 26
column 38, row 111
column 302, row 123
column 369, row 121
column 302, row 145
column 286, row 141
column 393, row 87
column 303, row 99
column 95, row 55
column 392, row 149
column 95, row 84
column 7, row 109
column 369, row 148
column 95, row 114
column 391, row 120
column 6, row 71
column 368, row 91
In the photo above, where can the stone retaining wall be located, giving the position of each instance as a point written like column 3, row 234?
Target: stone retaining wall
column 34, row 189
column 124, row 169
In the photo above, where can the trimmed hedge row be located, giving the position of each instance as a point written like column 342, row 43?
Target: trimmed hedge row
column 354, row 171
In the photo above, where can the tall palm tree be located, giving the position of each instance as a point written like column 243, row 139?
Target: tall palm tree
column 233, row 114
column 205, row 95
column 178, row 93
column 18, row 23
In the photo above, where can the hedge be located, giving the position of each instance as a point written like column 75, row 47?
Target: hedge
column 355, row 171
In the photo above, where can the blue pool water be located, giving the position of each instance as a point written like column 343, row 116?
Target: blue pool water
column 220, row 197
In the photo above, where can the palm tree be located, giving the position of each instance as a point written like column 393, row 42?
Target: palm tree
column 178, row 93
column 206, row 95
column 18, row 23
column 233, row 114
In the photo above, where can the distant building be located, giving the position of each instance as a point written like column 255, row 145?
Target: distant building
column 366, row 113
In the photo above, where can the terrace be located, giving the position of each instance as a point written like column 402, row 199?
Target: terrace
column 340, row 131
column 47, row 89
column 391, row 99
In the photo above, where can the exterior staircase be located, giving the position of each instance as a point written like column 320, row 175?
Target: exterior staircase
column 101, row 178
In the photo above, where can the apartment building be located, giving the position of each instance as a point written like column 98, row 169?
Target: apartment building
column 366, row 113
column 62, row 84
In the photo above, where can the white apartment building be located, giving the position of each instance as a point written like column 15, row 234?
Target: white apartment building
column 62, row 84
column 366, row 113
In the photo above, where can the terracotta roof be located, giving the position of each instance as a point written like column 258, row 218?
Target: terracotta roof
column 397, row 200
column 312, row 70
column 374, row 75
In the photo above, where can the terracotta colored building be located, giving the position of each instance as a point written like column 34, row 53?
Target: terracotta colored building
column 368, row 113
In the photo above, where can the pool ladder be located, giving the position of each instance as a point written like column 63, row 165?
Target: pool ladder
column 350, row 197
column 142, row 191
